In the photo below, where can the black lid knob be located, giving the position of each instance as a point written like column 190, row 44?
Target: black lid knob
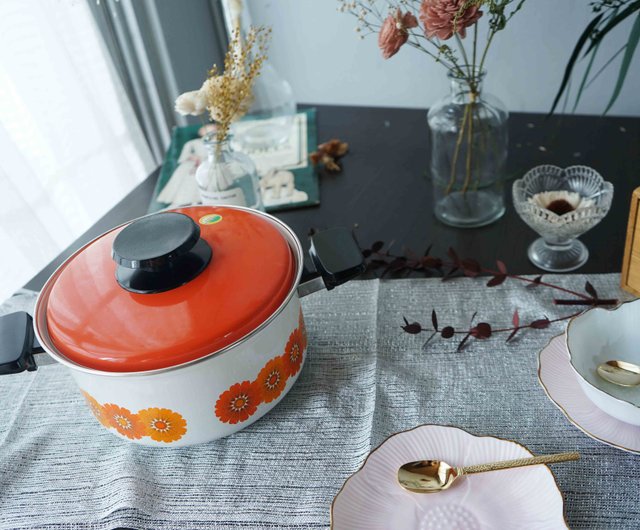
column 159, row 252
column 152, row 242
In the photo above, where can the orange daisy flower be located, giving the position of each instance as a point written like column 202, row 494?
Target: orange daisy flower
column 238, row 403
column 96, row 408
column 163, row 425
column 124, row 421
column 272, row 379
column 293, row 351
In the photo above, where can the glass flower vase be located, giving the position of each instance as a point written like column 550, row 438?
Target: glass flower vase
column 228, row 177
column 469, row 137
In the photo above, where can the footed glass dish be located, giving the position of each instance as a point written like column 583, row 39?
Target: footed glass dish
column 560, row 205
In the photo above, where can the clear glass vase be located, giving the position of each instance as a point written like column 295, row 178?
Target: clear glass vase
column 228, row 177
column 269, row 121
column 468, row 153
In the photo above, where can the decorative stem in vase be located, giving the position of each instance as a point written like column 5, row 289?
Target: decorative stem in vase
column 468, row 128
column 228, row 177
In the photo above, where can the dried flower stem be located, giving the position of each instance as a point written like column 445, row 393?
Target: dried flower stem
column 467, row 178
column 507, row 330
column 229, row 94
column 468, row 267
column 372, row 19
column 456, row 151
column 589, row 302
column 544, row 284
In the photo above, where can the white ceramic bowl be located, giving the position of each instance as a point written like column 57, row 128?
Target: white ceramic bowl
column 599, row 335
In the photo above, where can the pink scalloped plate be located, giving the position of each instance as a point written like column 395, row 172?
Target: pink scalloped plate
column 561, row 385
column 523, row 498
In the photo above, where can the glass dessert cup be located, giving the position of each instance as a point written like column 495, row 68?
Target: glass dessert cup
column 560, row 205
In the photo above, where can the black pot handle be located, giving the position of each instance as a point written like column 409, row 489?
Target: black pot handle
column 337, row 259
column 18, row 343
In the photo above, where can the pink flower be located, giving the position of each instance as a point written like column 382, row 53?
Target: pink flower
column 393, row 33
column 443, row 18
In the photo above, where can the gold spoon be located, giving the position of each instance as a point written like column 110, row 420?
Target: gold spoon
column 430, row 476
column 620, row 373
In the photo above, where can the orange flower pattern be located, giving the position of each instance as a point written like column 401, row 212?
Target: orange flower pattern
column 241, row 400
column 293, row 352
column 124, row 421
column 96, row 408
column 162, row 425
column 238, row 403
column 272, row 379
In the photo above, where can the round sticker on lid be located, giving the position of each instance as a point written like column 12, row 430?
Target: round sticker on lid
column 210, row 219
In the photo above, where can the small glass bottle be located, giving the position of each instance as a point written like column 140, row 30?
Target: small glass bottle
column 228, row 177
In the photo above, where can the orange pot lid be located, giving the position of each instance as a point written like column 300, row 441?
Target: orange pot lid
column 227, row 280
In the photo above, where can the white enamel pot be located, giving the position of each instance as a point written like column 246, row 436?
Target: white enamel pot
column 168, row 388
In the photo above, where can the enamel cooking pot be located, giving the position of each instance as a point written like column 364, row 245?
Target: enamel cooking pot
column 182, row 326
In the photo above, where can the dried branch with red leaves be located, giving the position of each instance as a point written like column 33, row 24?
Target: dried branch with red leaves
column 377, row 258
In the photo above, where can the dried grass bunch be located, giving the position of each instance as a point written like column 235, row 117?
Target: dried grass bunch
column 227, row 95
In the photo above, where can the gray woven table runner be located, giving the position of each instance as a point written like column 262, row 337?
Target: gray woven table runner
column 364, row 380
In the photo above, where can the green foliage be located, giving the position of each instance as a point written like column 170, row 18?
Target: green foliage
column 609, row 14
column 632, row 44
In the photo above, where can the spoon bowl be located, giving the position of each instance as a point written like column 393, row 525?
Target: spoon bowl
column 620, row 373
column 426, row 476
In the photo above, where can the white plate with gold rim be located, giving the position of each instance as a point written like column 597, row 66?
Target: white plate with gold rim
column 521, row 498
column 560, row 383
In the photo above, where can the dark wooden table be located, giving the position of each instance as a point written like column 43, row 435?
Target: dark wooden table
column 385, row 189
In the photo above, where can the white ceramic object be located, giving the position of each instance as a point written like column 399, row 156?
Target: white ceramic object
column 600, row 335
column 523, row 498
column 560, row 383
column 193, row 390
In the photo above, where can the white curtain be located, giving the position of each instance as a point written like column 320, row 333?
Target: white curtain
column 70, row 146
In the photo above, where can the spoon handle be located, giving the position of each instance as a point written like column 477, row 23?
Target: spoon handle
column 521, row 462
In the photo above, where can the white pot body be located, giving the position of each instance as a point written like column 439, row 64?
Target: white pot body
column 193, row 390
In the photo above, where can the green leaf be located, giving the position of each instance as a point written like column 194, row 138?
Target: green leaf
column 632, row 44
column 604, row 67
column 582, row 40
column 585, row 76
column 613, row 22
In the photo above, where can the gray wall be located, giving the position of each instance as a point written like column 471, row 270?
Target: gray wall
column 183, row 40
column 318, row 51
column 192, row 35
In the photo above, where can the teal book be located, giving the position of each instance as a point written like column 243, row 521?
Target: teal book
column 287, row 178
